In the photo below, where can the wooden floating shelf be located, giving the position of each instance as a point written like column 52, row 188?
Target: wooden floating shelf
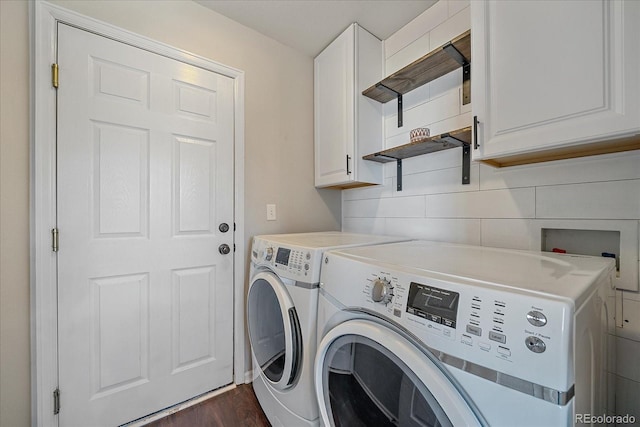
column 435, row 143
column 433, row 65
column 445, row 141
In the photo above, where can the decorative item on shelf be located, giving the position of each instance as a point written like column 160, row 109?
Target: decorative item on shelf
column 419, row 135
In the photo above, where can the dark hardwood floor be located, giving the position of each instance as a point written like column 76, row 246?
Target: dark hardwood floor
column 237, row 407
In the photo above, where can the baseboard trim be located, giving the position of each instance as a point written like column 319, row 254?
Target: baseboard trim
column 179, row 407
column 248, row 377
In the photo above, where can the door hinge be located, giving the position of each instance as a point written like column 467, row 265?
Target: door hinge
column 56, row 401
column 54, row 240
column 54, row 75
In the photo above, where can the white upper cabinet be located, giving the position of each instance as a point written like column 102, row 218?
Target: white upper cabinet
column 347, row 125
column 555, row 79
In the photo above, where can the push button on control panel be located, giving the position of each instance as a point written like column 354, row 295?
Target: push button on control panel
column 495, row 336
column 449, row 323
column 434, row 318
column 535, row 344
column 474, row 330
column 536, row 318
column 466, row 339
column 504, row 351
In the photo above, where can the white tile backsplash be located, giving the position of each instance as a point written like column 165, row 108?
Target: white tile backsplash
column 516, row 203
column 410, row 207
column 365, row 225
column 634, row 296
column 437, row 182
column 593, row 200
column 410, row 100
column 440, row 108
column 507, row 233
column 408, row 54
column 630, row 320
column 465, row 231
column 452, row 28
column 627, row 398
column 446, row 83
column 422, row 24
column 502, row 207
column 628, row 358
column 370, row 192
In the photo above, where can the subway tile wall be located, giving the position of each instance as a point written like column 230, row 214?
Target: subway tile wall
column 501, row 207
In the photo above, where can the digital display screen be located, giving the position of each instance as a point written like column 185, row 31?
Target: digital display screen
column 434, row 304
column 282, row 256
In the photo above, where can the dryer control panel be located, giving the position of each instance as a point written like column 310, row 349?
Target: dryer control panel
column 300, row 264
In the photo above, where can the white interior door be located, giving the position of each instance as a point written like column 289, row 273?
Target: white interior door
column 145, row 177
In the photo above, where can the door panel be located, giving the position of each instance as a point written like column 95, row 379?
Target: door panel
column 121, row 305
column 145, row 173
column 120, row 181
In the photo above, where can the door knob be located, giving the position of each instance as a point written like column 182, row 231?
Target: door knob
column 224, row 249
column 224, row 227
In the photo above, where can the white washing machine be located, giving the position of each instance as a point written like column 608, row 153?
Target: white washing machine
column 436, row 334
column 281, row 319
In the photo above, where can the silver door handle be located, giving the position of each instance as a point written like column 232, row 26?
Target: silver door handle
column 224, row 249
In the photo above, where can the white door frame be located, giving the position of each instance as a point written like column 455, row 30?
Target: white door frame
column 43, row 268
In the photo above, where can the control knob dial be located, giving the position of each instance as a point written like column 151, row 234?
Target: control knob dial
column 381, row 291
column 268, row 255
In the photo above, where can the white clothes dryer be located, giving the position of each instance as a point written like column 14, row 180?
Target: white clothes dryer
column 437, row 334
column 282, row 315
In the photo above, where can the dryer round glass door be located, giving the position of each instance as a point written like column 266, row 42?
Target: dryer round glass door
column 274, row 330
column 367, row 374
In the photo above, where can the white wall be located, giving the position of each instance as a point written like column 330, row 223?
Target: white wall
column 14, row 214
column 501, row 207
column 278, row 147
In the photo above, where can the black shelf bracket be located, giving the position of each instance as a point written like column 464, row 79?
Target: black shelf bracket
column 398, row 95
column 398, row 169
column 466, row 70
column 466, row 164
column 466, row 156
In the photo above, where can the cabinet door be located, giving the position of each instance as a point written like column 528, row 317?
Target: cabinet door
column 554, row 74
column 334, row 111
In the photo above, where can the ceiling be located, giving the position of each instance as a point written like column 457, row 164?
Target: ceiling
column 310, row 25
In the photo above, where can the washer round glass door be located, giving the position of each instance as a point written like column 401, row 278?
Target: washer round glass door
column 274, row 330
column 368, row 374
